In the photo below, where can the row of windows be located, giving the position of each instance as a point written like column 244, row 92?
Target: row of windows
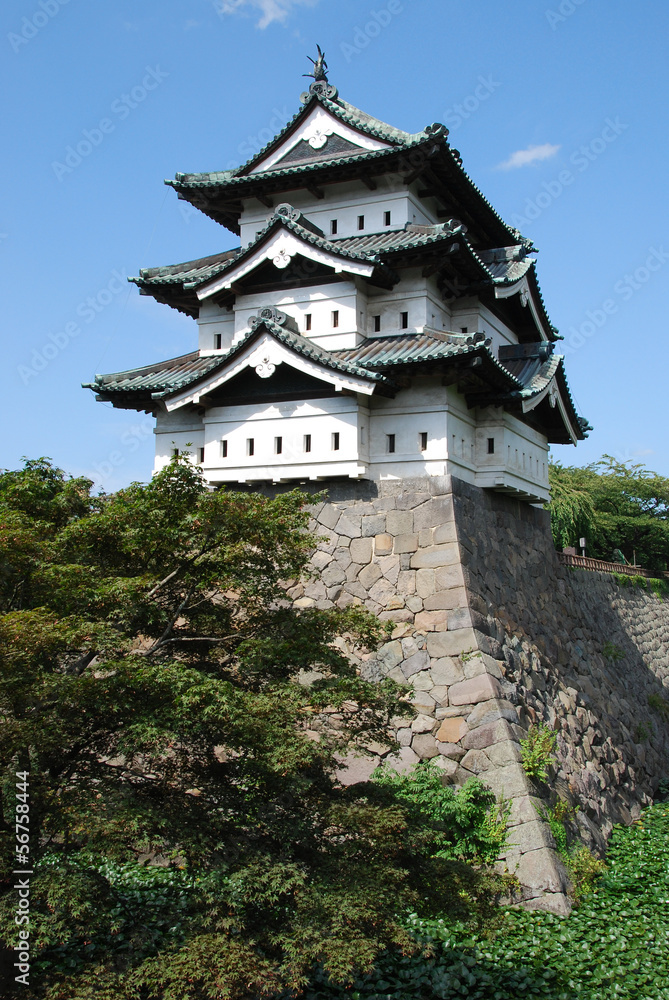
column 334, row 223
column 334, row 445
column 306, row 444
column 334, row 318
column 376, row 321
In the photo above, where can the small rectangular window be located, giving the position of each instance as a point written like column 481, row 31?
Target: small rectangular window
column 224, row 449
column 278, row 445
column 175, row 452
column 335, row 441
column 404, row 321
column 390, row 441
column 217, row 341
column 377, row 323
column 463, row 329
column 307, row 321
column 333, row 227
column 335, row 317
column 422, row 440
column 361, row 222
column 491, row 446
column 307, row 442
column 250, row 446
column 386, row 218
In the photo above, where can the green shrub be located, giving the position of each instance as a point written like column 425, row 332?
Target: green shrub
column 612, row 653
column 537, row 750
column 584, row 870
column 467, row 825
column 660, row 705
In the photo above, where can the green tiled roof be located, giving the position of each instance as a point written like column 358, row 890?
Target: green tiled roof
column 223, row 184
column 162, row 378
column 397, row 352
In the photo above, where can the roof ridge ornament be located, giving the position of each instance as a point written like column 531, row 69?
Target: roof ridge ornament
column 320, row 86
column 320, row 67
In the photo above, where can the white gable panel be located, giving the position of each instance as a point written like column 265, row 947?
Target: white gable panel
column 265, row 356
column 315, row 129
column 283, row 246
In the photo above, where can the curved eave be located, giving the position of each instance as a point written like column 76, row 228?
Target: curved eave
column 370, row 264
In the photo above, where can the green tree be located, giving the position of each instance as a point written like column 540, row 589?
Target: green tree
column 615, row 505
column 150, row 671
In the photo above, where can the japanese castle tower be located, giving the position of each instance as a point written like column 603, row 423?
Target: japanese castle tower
column 377, row 321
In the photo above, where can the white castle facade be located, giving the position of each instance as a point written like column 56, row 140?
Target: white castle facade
column 378, row 320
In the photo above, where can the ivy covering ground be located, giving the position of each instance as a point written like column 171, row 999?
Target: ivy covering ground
column 614, row 945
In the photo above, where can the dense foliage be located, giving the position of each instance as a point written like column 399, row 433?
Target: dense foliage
column 614, row 945
column 614, row 505
column 150, row 685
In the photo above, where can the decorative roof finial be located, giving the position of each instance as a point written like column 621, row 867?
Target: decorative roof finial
column 320, row 66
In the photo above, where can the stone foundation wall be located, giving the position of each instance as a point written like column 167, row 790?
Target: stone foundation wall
column 583, row 653
column 494, row 633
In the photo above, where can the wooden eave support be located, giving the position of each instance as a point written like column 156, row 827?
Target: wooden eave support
column 316, row 191
column 369, row 182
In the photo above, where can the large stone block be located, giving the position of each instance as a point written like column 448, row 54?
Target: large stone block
column 446, row 671
column 390, row 654
column 406, row 543
column 328, row 516
column 422, row 681
column 399, row 522
column 474, row 690
column 444, row 533
column 447, row 600
column 418, row 661
column 524, row 809
column 437, row 511
column 447, row 577
column 423, row 702
column 451, row 643
column 436, row 556
column 369, row 575
column 430, row 621
column 424, row 582
column 403, row 760
column 383, row 545
column 529, row 836
column 423, row 724
column 373, row 525
column 552, row 902
column 382, row 592
column 476, row 761
column 332, row 575
column 406, row 582
column 452, row 730
column 542, row 869
column 349, row 526
column 425, row 746
column 355, row 769
column 491, row 711
column 504, row 752
column 390, row 567
column 361, row 550
column 459, row 618
column 508, row 782
column 486, row 736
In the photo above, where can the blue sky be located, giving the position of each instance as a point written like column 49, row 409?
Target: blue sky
column 558, row 108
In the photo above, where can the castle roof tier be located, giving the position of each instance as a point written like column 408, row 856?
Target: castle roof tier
column 378, row 320
column 329, row 142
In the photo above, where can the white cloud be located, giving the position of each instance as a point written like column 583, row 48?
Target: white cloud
column 529, row 156
column 270, row 10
